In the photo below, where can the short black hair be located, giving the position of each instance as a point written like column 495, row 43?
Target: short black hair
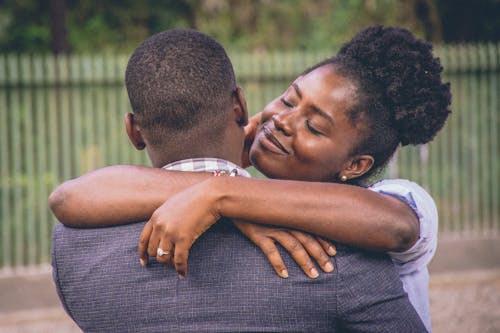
column 400, row 97
column 180, row 83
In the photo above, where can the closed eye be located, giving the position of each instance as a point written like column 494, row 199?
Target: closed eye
column 312, row 129
column 285, row 103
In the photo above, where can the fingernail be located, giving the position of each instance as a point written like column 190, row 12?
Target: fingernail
column 142, row 261
column 314, row 272
column 329, row 267
column 284, row 273
column 332, row 251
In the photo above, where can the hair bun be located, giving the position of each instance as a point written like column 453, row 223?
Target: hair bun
column 407, row 77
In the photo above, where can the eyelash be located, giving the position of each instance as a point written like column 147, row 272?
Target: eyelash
column 312, row 129
column 285, row 103
column 308, row 123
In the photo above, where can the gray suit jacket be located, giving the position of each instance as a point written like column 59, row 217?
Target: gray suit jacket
column 230, row 287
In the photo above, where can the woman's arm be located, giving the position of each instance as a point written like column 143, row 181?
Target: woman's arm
column 121, row 194
column 117, row 194
column 344, row 213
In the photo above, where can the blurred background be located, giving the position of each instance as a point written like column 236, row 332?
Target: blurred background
column 62, row 102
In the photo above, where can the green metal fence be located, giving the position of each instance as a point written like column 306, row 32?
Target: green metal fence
column 61, row 117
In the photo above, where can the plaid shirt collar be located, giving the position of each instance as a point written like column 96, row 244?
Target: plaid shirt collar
column 205, row 165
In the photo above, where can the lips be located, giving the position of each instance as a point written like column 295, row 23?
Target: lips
column 273, row 140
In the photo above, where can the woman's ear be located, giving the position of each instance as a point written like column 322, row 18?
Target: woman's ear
column 358, row 166
column 134, row 132
column 240, row 107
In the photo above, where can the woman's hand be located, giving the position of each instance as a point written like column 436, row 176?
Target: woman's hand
column 302, row 246
column 176, row 225
column 250, row 131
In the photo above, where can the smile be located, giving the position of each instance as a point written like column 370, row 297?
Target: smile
column 269, row 141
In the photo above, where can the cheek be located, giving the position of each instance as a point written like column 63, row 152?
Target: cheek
column 321, row 157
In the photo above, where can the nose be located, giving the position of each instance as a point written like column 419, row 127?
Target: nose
column 283, row 121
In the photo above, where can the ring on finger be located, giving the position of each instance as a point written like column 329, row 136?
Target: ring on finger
column 160, row 252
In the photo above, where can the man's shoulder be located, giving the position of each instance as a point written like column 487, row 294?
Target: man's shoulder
column 354, row 261
column 362, row 270
column 62, row 233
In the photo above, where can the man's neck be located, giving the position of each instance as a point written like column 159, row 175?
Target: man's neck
column 159, row 160
column 228, row 146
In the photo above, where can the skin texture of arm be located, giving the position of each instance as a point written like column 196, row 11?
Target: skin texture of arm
column 125, row 194
column 117, row 194
column 344, row 213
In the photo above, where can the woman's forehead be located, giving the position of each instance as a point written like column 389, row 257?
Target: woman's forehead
column 326, row 88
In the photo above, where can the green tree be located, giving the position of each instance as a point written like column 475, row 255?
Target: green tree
column 119, row 25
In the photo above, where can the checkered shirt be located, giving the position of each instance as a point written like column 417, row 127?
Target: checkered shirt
column 205, row 165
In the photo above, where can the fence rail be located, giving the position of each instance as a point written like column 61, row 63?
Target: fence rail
column 62, row 116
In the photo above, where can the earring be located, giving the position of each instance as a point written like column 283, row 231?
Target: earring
column 141, row 145
column 343, row 178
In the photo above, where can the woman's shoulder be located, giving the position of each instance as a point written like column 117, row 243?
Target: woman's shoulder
column 412, row 194
column 425, row 208
column 404, row 188
column 395, row 182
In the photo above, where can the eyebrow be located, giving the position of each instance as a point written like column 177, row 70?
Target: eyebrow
column 314, row 107
column 297, row 90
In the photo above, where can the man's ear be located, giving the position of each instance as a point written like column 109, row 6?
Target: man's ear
column 240, row 107
column 358, row 166
column 134, row 132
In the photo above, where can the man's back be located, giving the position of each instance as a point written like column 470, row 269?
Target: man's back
column 229, row 287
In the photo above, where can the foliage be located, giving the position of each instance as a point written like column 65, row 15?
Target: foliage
column 119, row 25
column 24, row 26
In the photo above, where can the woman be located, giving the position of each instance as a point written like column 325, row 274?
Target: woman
column 334, row 127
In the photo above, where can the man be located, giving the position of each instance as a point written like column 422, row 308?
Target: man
column 187, row 105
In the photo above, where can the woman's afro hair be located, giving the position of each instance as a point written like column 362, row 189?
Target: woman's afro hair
column 406, row 78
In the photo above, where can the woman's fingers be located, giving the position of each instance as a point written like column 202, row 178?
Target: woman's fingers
column 181, row 255
column 293, row 245
column 154, row 241
column 328, row 246
column 259, row 235
column 250, row 130
column 273, row 255
column 301, row 246
column 315, row 249
column 165, row 252
column 144, row 243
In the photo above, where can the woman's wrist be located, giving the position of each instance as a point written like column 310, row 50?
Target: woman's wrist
column 220, row 190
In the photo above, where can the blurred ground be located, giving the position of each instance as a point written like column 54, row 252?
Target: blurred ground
column 466, row 302
column 464, row 294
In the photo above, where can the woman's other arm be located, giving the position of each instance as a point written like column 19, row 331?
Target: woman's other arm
column 117, row 194
column 344, row 213
column 124, row 194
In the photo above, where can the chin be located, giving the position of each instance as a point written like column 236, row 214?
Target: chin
column 260, row 165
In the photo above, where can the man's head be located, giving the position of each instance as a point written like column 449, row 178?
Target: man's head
column 184, row 97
